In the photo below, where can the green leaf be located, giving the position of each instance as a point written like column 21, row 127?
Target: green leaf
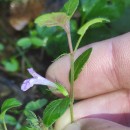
column 52, row 19
column 24, row 42
column 60, row 57
column 1, row 47
column 71, row 7
column 27, row 128
column 10, row 103
column 33, row 33
column 12, row 65
column 31, row 115
column 1, row 127
column 32, row 119
column 80, row 62
column 35, row 105
column 84, row 28
column 62, row 89
column 111, row 9
column 10, row 120
column 37, row 42
column 54, row 110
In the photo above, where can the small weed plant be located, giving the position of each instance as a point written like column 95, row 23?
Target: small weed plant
column 56, row 108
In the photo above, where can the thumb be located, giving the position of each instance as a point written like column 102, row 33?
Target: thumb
column 95, row 124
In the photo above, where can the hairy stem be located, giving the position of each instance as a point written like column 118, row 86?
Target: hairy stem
column 72, row 87
column 67, row 29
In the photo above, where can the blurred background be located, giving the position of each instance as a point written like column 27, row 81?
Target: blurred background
column 23, row 44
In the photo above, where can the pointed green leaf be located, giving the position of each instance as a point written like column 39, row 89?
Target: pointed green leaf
column 52, row 19
column 71, row 7
column 54, row 110
column 80, row 62
column 24, row 42
column 84, row 28
column 10, row 103
column 35, row 105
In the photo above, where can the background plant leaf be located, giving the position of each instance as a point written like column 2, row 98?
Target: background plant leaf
column 37, row 42
column 24, row 42
column 10, row 103
column 97, row 8
column 9, row 120
column 27, row 128
column 32, row 119
column 1, row 47
column 71, row 6
column 52, row 19
column 54, row 110
column 84, row 28
column 35, row 105
column 12, row 65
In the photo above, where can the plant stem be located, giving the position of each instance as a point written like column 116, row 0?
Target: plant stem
column 67, row 29
column 72, row 87
column 5, row 127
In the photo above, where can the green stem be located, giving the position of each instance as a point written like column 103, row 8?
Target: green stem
column 5, row 127
column 67, row 29
column 72, row 87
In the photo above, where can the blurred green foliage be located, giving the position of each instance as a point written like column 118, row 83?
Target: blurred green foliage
column 11, row 64
column 54, row 40
column 1, row 47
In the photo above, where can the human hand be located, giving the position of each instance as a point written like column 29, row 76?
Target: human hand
column 103, row 86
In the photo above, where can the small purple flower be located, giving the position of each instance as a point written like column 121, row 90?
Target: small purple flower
column 36, row 80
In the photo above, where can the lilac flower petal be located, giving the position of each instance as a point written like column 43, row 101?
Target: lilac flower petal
column 26, row 85
column 33, row 73
column 36, row 80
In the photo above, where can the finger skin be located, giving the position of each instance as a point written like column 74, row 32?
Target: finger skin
column 107, row 70
column 95, row 124
column 104, row 81
column 113, row 106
